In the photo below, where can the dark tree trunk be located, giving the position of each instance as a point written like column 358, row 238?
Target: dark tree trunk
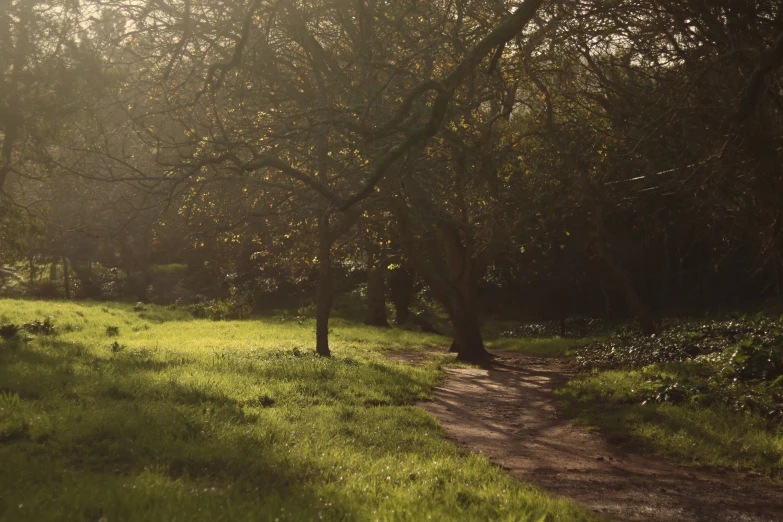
column 401, row 292
column 376, row 288
column 66, row 279
column 468, row 343
column 53, row 271
column 33, row 269
column 453, row 274
column 632, row 299
column 607, row 300
column 325, row 293
column 621, row 275
column 641, row 311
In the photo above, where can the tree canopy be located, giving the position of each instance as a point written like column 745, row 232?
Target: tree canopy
column 563, row 157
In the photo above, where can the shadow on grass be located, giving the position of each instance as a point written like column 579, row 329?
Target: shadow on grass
column 117, row 438
column 691, row 434
column 620, row 422
column 549, row 347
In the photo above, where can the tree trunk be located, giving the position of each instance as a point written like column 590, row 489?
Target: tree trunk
column 401, row 291
column 453, row 282
column 635, row 303
column 632, row 299
column 325, row 293
column 66, row 278
column 607, row 300
column 600, row 245
column 468, row 343
column 53, row 271
column 376, row 288
column 33, row 269
column 88, row 287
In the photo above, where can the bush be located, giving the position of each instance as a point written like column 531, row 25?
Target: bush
column 45, row 327
column 576, row 327
column 9, row 331
column 111, row 282
column 236, row 307
column 678, row 340
column 736, row 363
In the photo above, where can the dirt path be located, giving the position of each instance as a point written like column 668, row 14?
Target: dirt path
column 509, row 414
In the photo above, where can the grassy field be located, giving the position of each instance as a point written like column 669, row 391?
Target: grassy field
column 547, row 347
column 148, row 414
column 620, row 404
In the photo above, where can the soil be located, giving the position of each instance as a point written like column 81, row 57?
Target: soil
column 508, row 412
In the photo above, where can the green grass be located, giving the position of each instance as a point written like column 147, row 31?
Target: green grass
column 187, row 419
column 493, row 330
column 170, row 270
column 687, row 432
column 550, row 347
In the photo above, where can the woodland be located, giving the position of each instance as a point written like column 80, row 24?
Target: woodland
column 242, row 242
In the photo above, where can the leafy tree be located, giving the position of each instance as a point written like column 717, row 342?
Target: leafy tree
column 325, row 99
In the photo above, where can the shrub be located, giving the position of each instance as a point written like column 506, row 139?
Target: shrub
column 236, row 307
column 9, row 331
column 36, row 326
column 678, row 340
column 577, row 327
column 735, row 363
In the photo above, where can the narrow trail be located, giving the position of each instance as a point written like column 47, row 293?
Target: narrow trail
column 509, row 413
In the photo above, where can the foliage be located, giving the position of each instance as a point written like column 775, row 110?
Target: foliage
column 673, row 410
column 233, row 308
column 8, row 331
column 727, row 374
column 679, row 340
column 544, row 346
column 233, row 421
column 170, row 270
column 575, row 327
column 36, row 326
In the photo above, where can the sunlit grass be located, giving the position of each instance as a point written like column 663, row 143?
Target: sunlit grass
column 551, row 346
column 691, row 434
column 183, row 419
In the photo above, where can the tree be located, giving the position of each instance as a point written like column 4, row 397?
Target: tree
column 46, row 68
column 284, row 101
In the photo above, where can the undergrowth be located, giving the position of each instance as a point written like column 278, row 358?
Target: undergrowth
column 702, row 392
